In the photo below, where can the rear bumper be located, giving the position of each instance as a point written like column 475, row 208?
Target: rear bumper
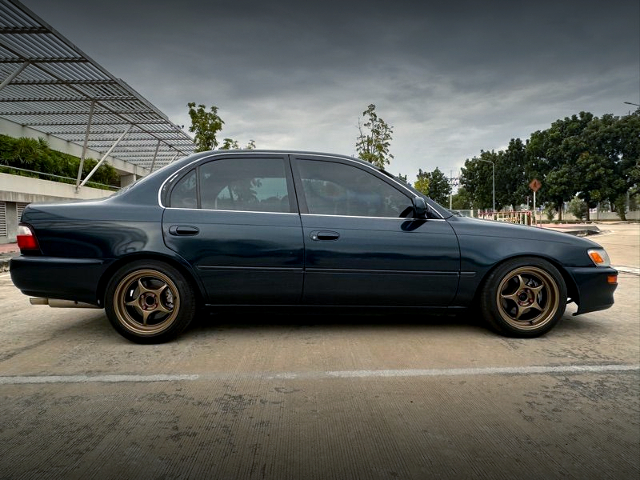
column 594, row 290
column 62, row 278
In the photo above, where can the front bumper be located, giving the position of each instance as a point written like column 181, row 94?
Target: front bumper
column 61, row 278
column 593, row 288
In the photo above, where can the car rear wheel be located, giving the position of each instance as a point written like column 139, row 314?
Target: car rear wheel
column 149, row 302
column 524, row 297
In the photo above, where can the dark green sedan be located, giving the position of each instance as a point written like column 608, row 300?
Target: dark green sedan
column 279, row 229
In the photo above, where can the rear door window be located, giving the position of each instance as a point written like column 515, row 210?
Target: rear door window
column 238, row 184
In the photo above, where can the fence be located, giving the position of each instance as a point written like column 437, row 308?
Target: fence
column 523, row 217
column 56, row 178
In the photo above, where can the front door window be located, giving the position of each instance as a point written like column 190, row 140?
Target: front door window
column 339, row 189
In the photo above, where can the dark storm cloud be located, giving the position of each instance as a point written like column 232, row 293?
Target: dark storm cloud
column 452, row 77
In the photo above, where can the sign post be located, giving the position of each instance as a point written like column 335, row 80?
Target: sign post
column 535, row 186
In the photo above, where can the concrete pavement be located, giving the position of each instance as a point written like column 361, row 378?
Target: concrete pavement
column 319, row 397
column 7, row 250
column 622, row 243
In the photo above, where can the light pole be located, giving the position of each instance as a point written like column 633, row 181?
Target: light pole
column 493, row 171
column 634, row 104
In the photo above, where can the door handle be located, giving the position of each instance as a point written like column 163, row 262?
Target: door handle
column 324, row 235
column 183, row 230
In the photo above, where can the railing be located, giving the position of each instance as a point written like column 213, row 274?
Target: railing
column 57, row 178
column 523, row 217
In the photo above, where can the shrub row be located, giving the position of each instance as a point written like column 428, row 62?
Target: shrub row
column 38, row 157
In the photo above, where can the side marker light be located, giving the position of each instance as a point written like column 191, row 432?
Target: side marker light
column 599, row 257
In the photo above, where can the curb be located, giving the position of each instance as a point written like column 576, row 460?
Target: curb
column 578, row 230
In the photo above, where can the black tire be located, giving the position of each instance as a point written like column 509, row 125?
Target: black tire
column 148, row 301
column 523, row 297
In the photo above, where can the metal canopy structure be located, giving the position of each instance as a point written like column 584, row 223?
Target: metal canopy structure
column 51, row 86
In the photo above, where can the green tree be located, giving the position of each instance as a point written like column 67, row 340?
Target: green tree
column 230, row 144
column 205, row 125
column 609, row 162
column 597, row 159
column 374, row 141
column 403, row 178
column 512, row 179
column 439, row 186
column 434, row 184
column 628, row 129
column 553, row 154
column 477, row 179
column 461, row 200
column 422, row 182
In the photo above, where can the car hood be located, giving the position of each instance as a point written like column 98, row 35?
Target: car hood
column 464, row 226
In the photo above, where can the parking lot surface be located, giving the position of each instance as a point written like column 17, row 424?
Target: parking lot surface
column 324, row 395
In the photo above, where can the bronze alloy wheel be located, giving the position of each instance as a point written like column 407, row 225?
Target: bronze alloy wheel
column 146, row 302
column 528, row 298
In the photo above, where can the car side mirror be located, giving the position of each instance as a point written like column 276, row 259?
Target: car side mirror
column 419, row 207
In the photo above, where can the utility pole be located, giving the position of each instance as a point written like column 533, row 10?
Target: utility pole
column 451, row 189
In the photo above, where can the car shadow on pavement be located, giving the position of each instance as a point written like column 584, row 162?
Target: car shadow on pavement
column 247, row 318
column 211, row 322
column 214, row 321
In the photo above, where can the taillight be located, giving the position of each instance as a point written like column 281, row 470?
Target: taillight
column 26, row 239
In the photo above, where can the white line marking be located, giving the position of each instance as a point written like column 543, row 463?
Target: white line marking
column 443, row 372
column 5, row 275
column 18, row 380
column 485, row 371
column 624, row 269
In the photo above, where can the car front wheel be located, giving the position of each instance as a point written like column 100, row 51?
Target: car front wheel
column 149, row 302
column 524, row 297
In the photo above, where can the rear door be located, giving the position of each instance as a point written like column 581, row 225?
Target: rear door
column 235, row 220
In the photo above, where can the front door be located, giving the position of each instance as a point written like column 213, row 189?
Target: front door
column 361, row 249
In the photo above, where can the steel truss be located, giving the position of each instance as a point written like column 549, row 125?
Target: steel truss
column 51, row 86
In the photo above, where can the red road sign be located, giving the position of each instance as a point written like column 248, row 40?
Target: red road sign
column 535, row 185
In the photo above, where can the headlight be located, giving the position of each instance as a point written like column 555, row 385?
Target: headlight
column 599, row 257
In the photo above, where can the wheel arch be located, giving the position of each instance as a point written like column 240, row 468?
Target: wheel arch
column 572, row 288
column 120, row 262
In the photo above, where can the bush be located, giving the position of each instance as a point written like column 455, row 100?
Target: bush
column 549, row 212
column 35, row 155
column 620, row 205
column 578, row 208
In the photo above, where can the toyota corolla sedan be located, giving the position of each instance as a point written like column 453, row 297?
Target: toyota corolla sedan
column 266, row 228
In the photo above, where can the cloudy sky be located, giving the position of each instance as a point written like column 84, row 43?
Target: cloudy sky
column 452, row 77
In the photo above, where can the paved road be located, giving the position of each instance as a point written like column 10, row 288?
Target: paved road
column 622, row 242
column 326, row 397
